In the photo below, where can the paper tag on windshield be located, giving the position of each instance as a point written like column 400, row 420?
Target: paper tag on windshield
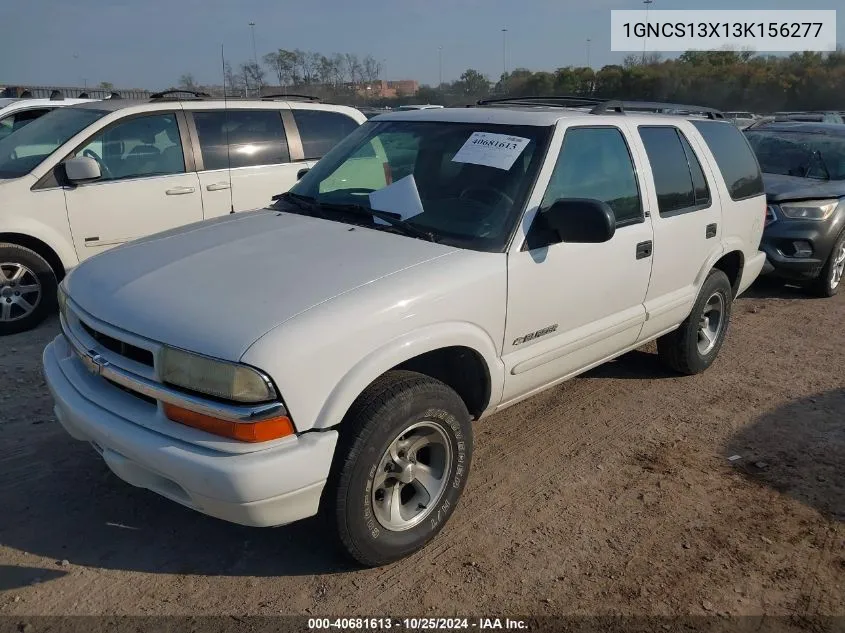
column 492, row 150
column 401, row 198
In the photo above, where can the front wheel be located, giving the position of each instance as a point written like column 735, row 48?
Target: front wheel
column 403, row 460
column 830, row 278
column 27, row 289
column 693, row 347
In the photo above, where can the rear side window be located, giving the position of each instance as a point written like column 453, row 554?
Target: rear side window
column 735, row 158
column 320, row 130
column 672, row 178
column 255, row 137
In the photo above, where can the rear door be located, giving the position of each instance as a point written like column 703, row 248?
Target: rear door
column 737, row 172
column 147, row 184
column 244, row 158
column 687, row 225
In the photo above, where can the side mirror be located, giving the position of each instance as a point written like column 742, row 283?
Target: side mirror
column 581, row 220
column 301, row 173
column 81, row 169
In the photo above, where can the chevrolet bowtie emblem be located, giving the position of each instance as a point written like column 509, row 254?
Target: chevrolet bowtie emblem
column 95, row 362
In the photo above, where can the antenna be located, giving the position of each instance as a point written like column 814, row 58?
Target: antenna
column 226, row 124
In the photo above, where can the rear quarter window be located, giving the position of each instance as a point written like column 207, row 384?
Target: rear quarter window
column 321, row 130
column 735, row 158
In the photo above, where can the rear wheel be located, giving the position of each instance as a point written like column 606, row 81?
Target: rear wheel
column 403, row 460
column 830, row 278
column 27, row 289
column 693, row 347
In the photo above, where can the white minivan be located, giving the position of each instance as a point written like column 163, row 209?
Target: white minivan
column 80, row 180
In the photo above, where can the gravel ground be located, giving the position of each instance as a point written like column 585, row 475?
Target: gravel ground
column 615, row 493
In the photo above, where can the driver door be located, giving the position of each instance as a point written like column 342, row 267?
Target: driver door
column 572, row 305
column 146, row 185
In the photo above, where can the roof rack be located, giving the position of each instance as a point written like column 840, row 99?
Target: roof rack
column 174, row 94
column 289, row 96
column 604, row 106
column 57, row 95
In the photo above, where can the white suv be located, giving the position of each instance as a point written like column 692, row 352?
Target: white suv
column 82, row 179
column 437, row 266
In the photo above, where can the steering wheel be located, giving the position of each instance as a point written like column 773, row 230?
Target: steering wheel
column 486, row 195
column 90, row 153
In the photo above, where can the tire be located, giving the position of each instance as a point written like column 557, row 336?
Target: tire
column 358, row 496
column 22, row 269
column 685, row 350
column 829, row 281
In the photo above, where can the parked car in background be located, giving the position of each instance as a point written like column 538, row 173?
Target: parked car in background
column 16, row 113
column 332, row 351
column 82, row 179
column 804, row 171
column 404, row 108
column 371, row 112
column 811, row 117
column 741, row 119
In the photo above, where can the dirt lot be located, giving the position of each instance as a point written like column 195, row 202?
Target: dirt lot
column 612, row 494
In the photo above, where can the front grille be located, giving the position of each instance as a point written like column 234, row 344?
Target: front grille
column 142, row 356
column 140, row 396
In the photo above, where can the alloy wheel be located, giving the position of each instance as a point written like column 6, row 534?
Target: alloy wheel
column 20, row 291
column 411, row 476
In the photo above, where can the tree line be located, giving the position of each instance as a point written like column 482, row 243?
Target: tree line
column 337, row 74
column 728, row 80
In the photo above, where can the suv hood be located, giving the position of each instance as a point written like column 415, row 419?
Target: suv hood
column 783, row 188
column 214, row 287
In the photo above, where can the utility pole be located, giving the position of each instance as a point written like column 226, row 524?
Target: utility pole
column 504, row 52
column 254, row 54
column 588, row 53
column 645, row 39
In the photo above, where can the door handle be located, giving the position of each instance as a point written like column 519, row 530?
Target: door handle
column 180, row 191
column 710, row 231
column 218, row 186
column 644, row 250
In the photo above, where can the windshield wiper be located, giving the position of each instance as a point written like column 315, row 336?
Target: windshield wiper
column 306, row 203
column 359, row 209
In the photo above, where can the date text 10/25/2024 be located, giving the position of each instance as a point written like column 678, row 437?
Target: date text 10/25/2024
column 415, row 624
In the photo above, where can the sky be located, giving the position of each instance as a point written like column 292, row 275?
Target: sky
column 150, row 43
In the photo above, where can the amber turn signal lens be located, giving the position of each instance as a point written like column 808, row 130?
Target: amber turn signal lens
column 262, row 431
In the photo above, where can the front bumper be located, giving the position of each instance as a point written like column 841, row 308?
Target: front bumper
column 777, row 244
column 265, row 487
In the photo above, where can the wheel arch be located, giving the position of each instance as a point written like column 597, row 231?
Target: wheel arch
column 42, row 248
column 732, row 263
column 459, row 354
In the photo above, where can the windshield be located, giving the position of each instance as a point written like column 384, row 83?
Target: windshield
column 802, row 154
column 24, row 149
column 465, row 184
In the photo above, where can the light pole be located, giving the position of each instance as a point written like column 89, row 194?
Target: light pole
column 588, row 53
column 254, row 54
column 645, row 39
column 439, row 67
column 504, row 53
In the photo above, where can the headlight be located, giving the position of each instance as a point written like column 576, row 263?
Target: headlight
column 809, row 209
column 221, row 379
column 61, row 297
